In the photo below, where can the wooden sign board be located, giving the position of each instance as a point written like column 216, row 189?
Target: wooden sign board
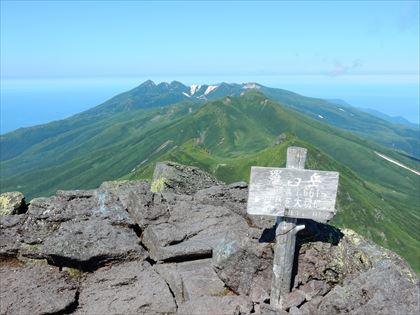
column 296, row 193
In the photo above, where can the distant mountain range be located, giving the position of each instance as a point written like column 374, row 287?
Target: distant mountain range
column 226, row 128
column 398, row 120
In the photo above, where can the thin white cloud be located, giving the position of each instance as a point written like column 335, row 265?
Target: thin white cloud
column 340, row 68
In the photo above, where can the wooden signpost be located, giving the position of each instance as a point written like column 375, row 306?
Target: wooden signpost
column 290, row 193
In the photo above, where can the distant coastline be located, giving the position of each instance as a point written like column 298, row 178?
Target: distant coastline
column 27, row 102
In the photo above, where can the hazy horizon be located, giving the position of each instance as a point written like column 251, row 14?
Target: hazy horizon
column 47, row 99
column 366, row 53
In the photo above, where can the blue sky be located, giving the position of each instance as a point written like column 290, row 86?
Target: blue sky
column 106, row 38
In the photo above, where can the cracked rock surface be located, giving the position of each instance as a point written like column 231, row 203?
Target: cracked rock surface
column 125, row 288
column 35, row 288
column 190, row 249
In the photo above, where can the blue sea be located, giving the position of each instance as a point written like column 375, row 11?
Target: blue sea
column 32, row 101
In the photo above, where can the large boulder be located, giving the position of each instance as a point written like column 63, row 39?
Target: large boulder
column 383, row 291
column 35, row 288
column 148, row 208
column 209, row 305
column 10, row 236
column 188, row 249
column 178, row 178
column 192, row 279
column 245, row 265
column 337, row 272
column 234, row 197
column 386, row 286
column 90, row 244
column 191, row 230
column 12, row 203
column 80, row 228
column 126, row 288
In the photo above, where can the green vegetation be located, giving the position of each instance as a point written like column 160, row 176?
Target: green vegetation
column 225, row 137
column 349, row 118
column 361, row 205
column 73, row 273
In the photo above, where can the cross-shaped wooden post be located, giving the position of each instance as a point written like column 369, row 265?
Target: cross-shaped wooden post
column 290, row 193
column 284, row 249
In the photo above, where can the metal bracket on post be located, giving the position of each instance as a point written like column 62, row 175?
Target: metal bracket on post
column 284, row 250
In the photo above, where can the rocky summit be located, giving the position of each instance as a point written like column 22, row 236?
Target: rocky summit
column 183, row 244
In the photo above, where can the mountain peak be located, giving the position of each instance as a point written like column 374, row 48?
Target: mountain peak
column 251, row 85
column 148, row 83
column 177, row 84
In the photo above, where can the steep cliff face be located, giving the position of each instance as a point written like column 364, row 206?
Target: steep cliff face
column 187, row 249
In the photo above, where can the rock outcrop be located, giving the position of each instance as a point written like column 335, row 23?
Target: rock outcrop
column 34, row 287
column 178, row 178
column 12, row 203
column 189, row 249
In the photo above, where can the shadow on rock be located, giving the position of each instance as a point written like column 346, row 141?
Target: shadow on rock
column 313, row 232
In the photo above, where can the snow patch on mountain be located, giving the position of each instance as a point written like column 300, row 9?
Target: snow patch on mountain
column 187, row 95
column 397, row 163
column 251, row 86
column 210, row 89
column 194, row 88
column 320, row 116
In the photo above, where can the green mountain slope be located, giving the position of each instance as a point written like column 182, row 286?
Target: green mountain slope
column 86, row 156
column 361, row 204
column 351, row 119
column 378, row 198
column 150, row 95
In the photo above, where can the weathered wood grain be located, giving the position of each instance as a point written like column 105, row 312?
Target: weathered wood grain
column 290, row 193
column 293, row 193
column 296, row 157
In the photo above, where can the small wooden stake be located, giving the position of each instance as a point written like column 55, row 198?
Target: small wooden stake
column 284, row 249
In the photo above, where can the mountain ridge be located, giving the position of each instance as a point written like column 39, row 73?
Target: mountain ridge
column 233, row 130
column 150, row 95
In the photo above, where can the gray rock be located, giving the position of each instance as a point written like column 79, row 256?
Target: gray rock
column 366, row 278
column 294, row 299
column 373, row 292
column 12, row 203
column 388, row 287
column 177, row 178
column 113, row 200
column 80, row 228
column 314, row 288
column 192, row 230
column 266, row 309
column 295, row 311
column 92, row 243
column 337, row 271
column 311, row 307
column 127, row 288
column 148, row 208
column 63, row 207
column 10, row 237
column 329, row 263
column 234, row 197
column 244, row 265
column 34, row 233
column 216, row 305
column 189, row 280
column 34, row 288
column 102, row 203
